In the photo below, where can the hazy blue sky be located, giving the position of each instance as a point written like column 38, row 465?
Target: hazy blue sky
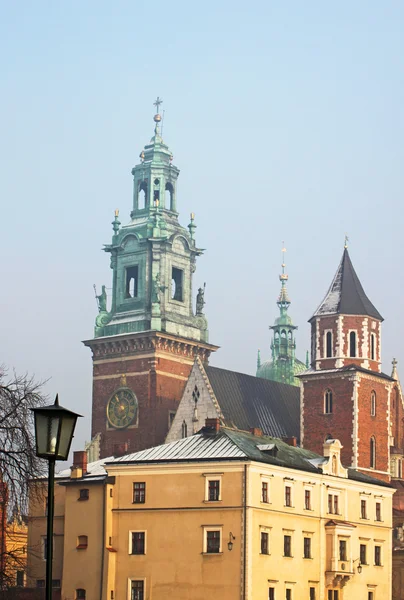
column 286, row 120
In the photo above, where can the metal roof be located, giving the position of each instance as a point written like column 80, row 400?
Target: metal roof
column 346, row 295
column 247, row 401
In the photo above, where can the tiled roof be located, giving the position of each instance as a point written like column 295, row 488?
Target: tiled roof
column 346, row 295
column 230, row 444
column 346, row 368
column 248, row 401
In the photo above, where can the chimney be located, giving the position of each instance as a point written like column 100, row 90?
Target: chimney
column 79, row 467
column 291, row 441
column 213, row 424
column 120, row 449
column 256, row 431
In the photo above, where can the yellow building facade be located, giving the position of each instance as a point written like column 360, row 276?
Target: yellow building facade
column 226, row 514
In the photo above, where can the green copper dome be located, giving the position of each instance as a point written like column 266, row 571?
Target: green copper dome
column 283, row 366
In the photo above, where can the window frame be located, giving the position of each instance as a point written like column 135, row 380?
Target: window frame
column 373, row 398
column 137, row 580
column 79, row 595
column 378, row 560
column 288, row 496
column 264, row 542
column 84, row 494
column 373, row 346
column 82, row 542
column 212, row 477
column 342, row 550
column 178, row 295
column 328, row 347
column 265, row 482
column 364, row 509
column 335, row 503
column 372, row 452
column 350, row 355
column 287, row 545
column 363, row 549
column 328, row 402
column 307, row 547
column 307, row 496
column 209, row 529
column 271, row 593
column 131, row 545
column 142, row 496
column 378, row 511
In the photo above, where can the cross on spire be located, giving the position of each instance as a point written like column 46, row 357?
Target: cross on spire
column 157, row 104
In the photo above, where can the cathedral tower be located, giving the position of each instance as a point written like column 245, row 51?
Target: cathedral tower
column 145, row 344
column 345, row 395
column 283, row 366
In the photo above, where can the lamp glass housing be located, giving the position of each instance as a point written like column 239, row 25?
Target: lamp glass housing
column 54, row 428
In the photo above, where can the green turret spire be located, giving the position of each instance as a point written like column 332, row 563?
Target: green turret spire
column 283, row 365
column 153, row 257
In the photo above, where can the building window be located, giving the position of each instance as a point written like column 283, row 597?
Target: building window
column 213, row 541
column 271, row 593
column 312, row 593
column 363, row 509
column 138, row 542
column 362, row 554
column 372, row 449
column 328, row 344
column 84, row 494
column 82, row 542
column 373, row 404
column 372, row 346
column 171, row 417
column 287, row 545
column 307, row 547
column 352, row 344
column 333, row 594
column 342, row 550
column 177, row 284
column 40, row 583
column 288, row 495
column 213, row 490
column 288, row 594
column 307, row 499
column 139, row 493
column 81, row 594
column 142, row 195
column 333, row 507
column 328, row 402
column 45, row 546
column 264, row 492
column 184, row 429
column 19, row 579
column 131, row 282
column 378, row 511
column 264, row 542
column 378, row 556
column 137, row 590
column 370, row 596
column 56, row 583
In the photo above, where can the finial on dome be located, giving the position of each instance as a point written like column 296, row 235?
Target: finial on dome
column 157, row 116
column 346, row 242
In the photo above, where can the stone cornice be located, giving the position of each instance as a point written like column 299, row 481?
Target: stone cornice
column 148, row 341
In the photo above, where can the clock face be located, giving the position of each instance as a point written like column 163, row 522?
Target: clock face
column 122, row 408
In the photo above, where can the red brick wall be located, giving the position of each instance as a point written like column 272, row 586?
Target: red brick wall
column 158, row 383
column 376, row 426
column 317, row 425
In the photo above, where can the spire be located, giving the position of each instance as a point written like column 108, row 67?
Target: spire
column 283, row 300
column 157, row 116
column 394, row 370
column 346, row 295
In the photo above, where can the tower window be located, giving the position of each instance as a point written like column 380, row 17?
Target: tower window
column 352, row 344
column 156, row 192
column 184, row 430
column 142, row 195
column 372, row 346
column 372, row 453
column 169, row 197
column 328, row 402
column 373, row 404
column 177, row 276
column 328, row 344
column 132, row 280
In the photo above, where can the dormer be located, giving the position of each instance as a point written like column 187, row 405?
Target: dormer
column 332, row 452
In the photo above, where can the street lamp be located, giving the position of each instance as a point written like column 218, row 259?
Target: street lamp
column 54, row 428
column 230, row 542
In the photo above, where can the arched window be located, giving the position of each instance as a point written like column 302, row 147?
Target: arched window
column 142, row 195
column 373, row 404
column 156, row 192
column 352, row 344
column 169, row 196
column 334, row 465
column 328, row 402
column 184, row 429
column 372, row 346
column 328, row 344
column 372, row 453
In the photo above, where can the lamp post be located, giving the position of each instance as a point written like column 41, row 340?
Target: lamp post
column 54, row 428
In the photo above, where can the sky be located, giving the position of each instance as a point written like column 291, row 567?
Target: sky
column 286, row 120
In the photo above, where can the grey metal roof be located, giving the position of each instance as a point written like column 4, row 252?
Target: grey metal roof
column 248, row 401
column 94, row 469
column 346, row 295
column 231, row 444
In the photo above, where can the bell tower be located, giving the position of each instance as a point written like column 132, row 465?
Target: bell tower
column 345, row 395
column 146, row 341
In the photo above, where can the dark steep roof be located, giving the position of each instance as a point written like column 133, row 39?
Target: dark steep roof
column 346, row 295
column 248, row 401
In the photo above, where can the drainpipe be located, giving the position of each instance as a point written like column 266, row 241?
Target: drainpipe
column 103, row 544
column 245, row 534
